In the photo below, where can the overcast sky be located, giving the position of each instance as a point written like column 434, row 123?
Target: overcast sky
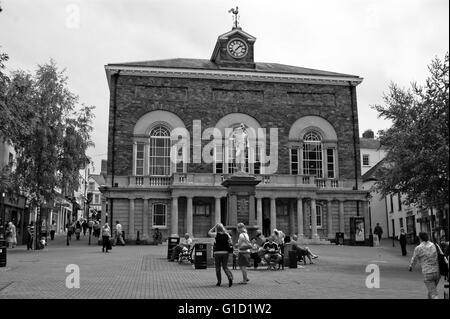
column 379, row 40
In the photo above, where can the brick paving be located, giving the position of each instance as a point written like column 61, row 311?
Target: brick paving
column 143, row 272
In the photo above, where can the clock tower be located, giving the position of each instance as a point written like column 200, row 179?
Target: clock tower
column 234, row 49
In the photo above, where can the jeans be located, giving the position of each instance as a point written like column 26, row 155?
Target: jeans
column 221, row 260
column 118, row 237
column 105, row 243
column 431, row 281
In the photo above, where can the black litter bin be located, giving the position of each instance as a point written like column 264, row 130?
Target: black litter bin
column 172, row 243
column 339, row 238
column 293, row 259
column 3, row 252
column 200, row 256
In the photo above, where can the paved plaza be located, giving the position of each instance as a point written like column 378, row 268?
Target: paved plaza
column 144, row 272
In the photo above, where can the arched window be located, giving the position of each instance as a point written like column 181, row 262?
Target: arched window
column 160, row 151
column 312, row 154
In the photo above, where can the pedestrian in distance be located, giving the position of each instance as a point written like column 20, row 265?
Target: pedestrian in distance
column 378, row 231
column 11, row 236
column 30, row 237
column 84, row 225
column 222, row 248
column 106, row 238
column 52, row 230
column 402, row 239
column 426, row 255
column 244, row 245
column 118, row 234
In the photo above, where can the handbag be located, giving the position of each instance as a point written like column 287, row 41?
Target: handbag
column 442, row 261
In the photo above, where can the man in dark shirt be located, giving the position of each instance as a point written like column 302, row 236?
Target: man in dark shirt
column 378, row 231
column 271, row 253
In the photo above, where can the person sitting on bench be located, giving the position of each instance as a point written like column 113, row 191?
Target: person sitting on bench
column 257, row 253
column 186, row 242
column 302, row 252
column 272, row 255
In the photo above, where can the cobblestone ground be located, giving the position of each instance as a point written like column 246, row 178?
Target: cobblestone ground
column 144, row 272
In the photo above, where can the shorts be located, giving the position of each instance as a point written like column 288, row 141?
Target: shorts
column 244, row 259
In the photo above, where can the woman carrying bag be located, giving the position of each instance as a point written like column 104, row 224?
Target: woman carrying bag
column 244, row 246
column 222, row 248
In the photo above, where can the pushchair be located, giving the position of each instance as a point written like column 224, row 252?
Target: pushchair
column 186, row 255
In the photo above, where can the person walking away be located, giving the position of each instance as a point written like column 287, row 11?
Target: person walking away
column 244, row 246
column 12, row 235
column 106, row 237
column 52, row 230
column 96, row 227
column 222, row 247
column 30, row 232
column 426, row 254
column 84, row 225
column 378, row 231
column 118, row 234
column 77, row 229
column 185, row 243
column 402, row 239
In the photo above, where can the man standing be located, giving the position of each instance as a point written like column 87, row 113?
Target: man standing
column 378, row 231
column 186, row 242
column 118, row 234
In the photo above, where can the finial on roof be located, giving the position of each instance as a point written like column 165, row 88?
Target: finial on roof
column 235, row 12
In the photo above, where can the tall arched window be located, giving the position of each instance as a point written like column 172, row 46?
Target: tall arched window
column 160, row 151
column 312, row 154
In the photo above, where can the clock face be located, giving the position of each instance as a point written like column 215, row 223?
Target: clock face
column 237, row 48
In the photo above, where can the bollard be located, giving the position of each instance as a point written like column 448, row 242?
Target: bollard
column 3, row 253
column 138, row 240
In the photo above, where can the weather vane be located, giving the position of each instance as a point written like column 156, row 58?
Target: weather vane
column 235, row 12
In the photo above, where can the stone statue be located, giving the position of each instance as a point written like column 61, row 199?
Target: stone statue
column 240, row 138
column 235, row 12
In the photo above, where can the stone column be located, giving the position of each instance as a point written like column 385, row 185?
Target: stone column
column 341, row 217
column 314, row 234
column 300, row 217
column 273, row 214
column 174, row 217
column 145, row 215
column 189, row 217
column 259, row 213
column 131, row 233
column 251, row 210
column 217, row 216
column 291, row 218
column 330, row 218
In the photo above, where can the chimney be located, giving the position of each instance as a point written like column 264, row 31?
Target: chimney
column 103, row 170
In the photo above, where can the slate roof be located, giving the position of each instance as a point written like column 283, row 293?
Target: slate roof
column 99, row 179
column 372, row 174
column 369, row 143
column 204, row 64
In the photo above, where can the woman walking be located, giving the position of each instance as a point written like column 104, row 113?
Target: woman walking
column 221, row 252
column 106, row 235
column 426, row 254
column 402, row 238
column 244, row 246
column 12, row 236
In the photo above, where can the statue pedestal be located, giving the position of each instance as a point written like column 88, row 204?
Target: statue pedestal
column 241, row 189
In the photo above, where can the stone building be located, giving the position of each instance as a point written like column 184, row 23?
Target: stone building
column 316, row 186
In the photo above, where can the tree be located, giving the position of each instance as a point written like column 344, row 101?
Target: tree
column 417, row 162
column 368, row 134
column 50, row 137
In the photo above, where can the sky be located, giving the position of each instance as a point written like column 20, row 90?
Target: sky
column 382, row 41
